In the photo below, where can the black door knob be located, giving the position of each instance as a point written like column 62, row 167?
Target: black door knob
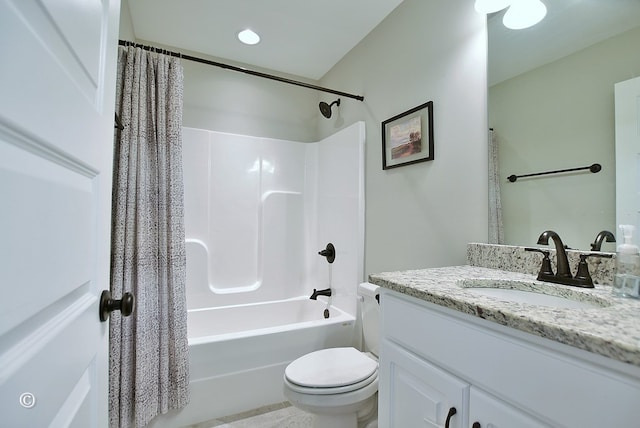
column 107, row 304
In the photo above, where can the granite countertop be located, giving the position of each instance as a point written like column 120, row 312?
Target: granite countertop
column 611, row 329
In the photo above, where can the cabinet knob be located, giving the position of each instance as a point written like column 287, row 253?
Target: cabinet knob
column 452, row 411
column 476, row 425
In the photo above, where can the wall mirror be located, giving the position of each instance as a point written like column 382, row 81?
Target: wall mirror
column 551, row 106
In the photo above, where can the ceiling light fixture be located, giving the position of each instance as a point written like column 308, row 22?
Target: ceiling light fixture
column 524, row 14
column 520, row 13
column 248, row 37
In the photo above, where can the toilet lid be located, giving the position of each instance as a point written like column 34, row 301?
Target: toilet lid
column 330, row 368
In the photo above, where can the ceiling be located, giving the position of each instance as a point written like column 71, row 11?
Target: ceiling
column 307, row 38
column 570, row 25
column 299, row 37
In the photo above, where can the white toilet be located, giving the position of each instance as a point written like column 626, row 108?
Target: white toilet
column 339, row 385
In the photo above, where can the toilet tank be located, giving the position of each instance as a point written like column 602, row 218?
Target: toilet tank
column 370, row 314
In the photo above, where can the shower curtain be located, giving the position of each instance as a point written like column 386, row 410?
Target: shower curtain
column 148, row 351
column 496, row 228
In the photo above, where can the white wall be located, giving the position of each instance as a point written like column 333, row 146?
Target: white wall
column 236, row 103
column 421, row 215
column 126, row 26
column 559, row 116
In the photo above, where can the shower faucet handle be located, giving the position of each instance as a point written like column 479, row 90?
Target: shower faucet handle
column 329, row 252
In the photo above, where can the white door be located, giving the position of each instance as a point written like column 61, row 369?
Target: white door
column 627, row 106
column 57, row 91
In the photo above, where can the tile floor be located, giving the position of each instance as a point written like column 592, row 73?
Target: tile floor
column 281, row 415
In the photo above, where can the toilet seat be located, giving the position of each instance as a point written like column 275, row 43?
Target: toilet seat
column 332, row 390
column 331, row 371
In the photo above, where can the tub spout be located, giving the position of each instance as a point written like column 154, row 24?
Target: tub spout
column 316, row 293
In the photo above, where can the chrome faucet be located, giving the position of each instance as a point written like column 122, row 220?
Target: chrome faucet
column 562, row 262
column 605, row 234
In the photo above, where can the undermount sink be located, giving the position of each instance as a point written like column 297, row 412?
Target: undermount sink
column 532, row 293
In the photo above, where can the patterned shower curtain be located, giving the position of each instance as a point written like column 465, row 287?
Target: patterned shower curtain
column 496, row 228
column 148, row 355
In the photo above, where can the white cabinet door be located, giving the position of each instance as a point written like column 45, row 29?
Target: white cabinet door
column 486, row 411
column 414, row 393
column 57, row 91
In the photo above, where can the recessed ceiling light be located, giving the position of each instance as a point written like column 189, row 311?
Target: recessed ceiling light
column 248, row 37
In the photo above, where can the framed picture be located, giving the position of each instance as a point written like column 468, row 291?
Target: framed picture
column 408, row 137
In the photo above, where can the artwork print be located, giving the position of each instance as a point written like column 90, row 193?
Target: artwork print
column 407, row 138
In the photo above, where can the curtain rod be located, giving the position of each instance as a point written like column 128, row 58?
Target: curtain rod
column 240, row 69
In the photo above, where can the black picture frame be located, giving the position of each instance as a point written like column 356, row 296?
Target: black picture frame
column 403, row 137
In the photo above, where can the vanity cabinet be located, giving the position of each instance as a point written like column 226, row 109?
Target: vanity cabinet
column 433, row 359
column 421, row 394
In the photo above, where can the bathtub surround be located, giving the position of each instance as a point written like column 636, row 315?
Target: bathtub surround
column 258, row 211
column 148, row 355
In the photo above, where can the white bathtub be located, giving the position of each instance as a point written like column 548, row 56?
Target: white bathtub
column 238, row 353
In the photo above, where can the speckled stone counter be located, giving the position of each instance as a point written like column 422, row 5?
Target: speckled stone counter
column 611, row 329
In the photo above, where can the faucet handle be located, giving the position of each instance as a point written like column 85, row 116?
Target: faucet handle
column 582, row 275
column 329, row 252
column 545, row 268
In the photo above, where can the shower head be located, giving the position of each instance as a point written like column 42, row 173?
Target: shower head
column 325, row 108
